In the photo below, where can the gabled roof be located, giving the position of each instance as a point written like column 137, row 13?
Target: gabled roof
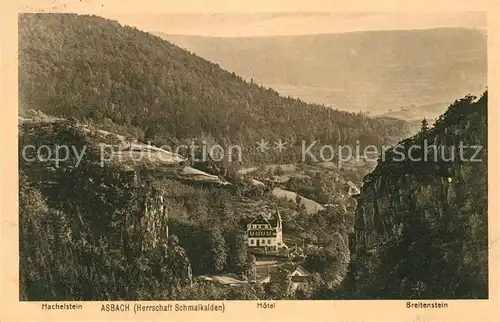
column 301, row 270
column 261, row 219
column 273, row 219
column 221, row 279
column 351, row 188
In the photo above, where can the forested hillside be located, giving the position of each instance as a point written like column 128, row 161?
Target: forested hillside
column 126, row 80
column 421, row 226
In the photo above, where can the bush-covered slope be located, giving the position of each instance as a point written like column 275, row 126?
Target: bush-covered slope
column 95, row 231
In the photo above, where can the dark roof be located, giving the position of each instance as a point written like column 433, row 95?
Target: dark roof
column 302, row 270
column 260, row 219
column 271, row 218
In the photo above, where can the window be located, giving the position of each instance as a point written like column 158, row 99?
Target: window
column 254, row 226
column 252, row 241
column 269, row 241
column 263, row 242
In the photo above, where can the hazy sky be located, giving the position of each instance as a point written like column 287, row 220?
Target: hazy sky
column 268, row 17
column 261, row 24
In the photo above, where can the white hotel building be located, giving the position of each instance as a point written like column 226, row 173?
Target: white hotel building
column 266, row 231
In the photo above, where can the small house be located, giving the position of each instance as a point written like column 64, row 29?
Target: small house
column 299, row 277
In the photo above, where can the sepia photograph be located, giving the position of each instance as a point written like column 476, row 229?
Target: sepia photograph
column 260, row 156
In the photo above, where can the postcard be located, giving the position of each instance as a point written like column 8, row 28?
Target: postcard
column 241, row 161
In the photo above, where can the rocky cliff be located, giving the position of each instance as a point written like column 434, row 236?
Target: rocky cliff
column 421, row 223
column 154, row 221
column 88, row 230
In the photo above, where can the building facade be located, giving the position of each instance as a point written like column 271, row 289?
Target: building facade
column 299, row 277
column 266, row 231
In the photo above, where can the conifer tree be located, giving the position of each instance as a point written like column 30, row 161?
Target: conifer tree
column 424, row 127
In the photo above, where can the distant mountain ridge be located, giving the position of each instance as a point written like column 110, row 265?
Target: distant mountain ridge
column 376, row 71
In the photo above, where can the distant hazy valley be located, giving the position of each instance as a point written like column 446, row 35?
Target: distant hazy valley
column 402, row 74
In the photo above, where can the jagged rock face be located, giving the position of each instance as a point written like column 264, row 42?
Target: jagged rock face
column 153, row 227
column 154, row 221
column 385, row 205
column 423, row 225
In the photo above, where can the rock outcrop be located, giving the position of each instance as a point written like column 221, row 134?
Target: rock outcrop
column 421, row 226
column 99, row 228
column 154, row 220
